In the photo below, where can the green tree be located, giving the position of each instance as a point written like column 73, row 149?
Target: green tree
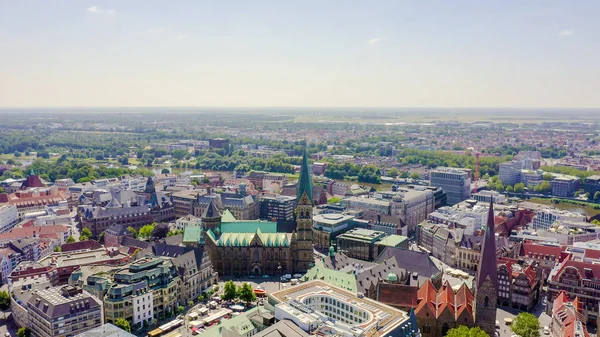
column 526, row 325
column 509, row 188
column 190, row 303
column 333, row 200
column 545, row 187
column 165, row 171
column 415, row 175
column 393, row 172
column 57, row 249
column 2, row 190
column 246, row 294
column 577, row 194
column 123, row 324
column 132, row 231
column 83, row 238
column 23, row 332
column 229, row 291
column 86, row 232
column 404, row 174
column 181, row 309
column 499, row 187
column 463, row 331
column 547, row 176
column 4, row 300
column 70, row 239
column 146, row 231
column 101, row 238
column 195, row 181
column 596, row 222
column 597, row 196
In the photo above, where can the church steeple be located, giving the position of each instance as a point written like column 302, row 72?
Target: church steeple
column 487, row 264
column 305, row 180
column 486, row 286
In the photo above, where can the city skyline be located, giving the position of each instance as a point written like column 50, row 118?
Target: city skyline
column 272, row 54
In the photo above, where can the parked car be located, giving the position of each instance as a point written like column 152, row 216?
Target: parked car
column 546, row 330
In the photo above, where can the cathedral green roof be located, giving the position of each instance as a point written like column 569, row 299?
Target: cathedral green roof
column 248, row 227
column 227, row 216
column 244, row 239
column 305, row 181
column 192, row 234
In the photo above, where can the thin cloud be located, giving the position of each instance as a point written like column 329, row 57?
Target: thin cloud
column 566, row 32
column 99, row 10
column 376, row 40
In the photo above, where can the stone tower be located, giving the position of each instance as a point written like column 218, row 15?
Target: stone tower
column 211, row 218
column 486, row 280
column 303, row 254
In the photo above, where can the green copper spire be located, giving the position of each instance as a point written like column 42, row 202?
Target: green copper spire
column 305, row 181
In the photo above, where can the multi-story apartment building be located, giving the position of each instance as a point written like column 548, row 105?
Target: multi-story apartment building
column 440, row 240
column 564, row 186
column 519, row 284
column 196, row 273
column 65, row 311
column 277, row 208
column 262, row 180
column 567, row 317
column 149, row 289
column 510, row 172
column 455, row 182
column 9, row 217
column 577, row 278
column 184, row 202
column 412, row 206
column 545, row 218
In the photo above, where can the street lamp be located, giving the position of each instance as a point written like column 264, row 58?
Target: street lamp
column 279, row 272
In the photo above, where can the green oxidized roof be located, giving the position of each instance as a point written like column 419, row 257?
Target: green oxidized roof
column 244, row 239
column 392, row 277
column 335, row 277
column 305, row 181
column 248, row 227
column 227, row 216
column 192, row 234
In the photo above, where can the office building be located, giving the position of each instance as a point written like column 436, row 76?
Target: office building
column 277, row 208
column 455, row 182
column 359, row 243
column 9, row 217
column 545, row 218
column 326, row 310
column 326, row 228
column 510, row 172
column 564, row 186
column 592, row 184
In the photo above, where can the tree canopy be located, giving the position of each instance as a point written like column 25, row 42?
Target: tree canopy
column 229, row 291
column 245, row 293
column 526, row 325
column 123, row 324
column 463, row 331
column 146, row 231
column 4, row 300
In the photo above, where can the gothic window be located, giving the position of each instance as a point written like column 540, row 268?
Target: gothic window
column 256, row 256
column 426, row 327
column 486, row 302
column 445, row 329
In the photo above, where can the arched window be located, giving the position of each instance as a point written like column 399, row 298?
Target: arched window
column 426, row 328
column 486, row 302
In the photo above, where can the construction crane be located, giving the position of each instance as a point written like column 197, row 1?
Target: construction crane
column 476, row 173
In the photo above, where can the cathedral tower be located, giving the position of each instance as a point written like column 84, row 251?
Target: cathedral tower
column 211, row 218
column 486, row 280
column 303, row 255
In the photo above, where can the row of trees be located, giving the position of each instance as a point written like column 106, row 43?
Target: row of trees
column 243, row 292
column 351, row 171
column 524, row 325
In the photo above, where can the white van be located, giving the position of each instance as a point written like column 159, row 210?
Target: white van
column 294, row 281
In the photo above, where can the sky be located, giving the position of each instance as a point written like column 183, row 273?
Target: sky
column 305, row 53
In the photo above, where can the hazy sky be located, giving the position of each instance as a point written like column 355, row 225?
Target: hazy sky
column 300, row 53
